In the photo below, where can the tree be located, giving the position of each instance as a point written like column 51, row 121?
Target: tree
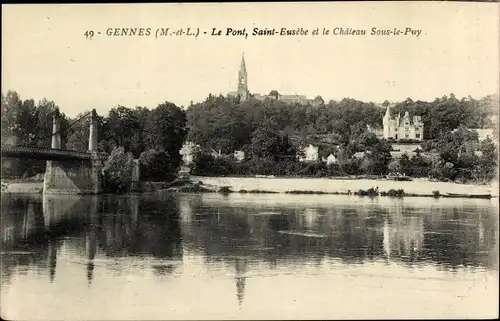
column 420, row 165
column 25, row 123
column 155, row 165
column 405, row 165
column 268, row 143
column 11, row 103
column 166, row 130
column 126, row 128
column 487, row 162
column 117, row 171
column 394, row 166
column 442, row 170
column 78, row 134
column 265, row 142
column 378, row 157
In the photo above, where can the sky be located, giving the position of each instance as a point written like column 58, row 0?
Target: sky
column 45, row 52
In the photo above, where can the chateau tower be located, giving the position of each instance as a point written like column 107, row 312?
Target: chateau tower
column 242, row 80
column 387, row 122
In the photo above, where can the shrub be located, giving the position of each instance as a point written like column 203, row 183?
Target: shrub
column 396, row 193
column 368, row 192
column 117, row 171
column 156, row 165
column 225, row 190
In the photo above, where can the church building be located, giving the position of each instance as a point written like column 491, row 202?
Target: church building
column 242, row 91
column 244, row 94
column 401, row 128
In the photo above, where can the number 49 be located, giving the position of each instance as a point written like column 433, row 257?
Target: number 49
column 89, row 34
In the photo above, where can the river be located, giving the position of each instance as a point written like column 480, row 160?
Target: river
column 210, row 256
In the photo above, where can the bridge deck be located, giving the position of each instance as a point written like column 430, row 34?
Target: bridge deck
column 43, row 153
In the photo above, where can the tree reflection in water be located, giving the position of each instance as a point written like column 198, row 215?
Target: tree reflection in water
column 159, row 230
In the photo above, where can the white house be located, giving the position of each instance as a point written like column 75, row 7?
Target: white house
column 187, row 152
column 331, row 159
column 239, row 155
column 310, row 153
column 484, row 133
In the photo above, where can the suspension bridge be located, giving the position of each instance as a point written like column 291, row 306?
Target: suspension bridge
column 67, row 171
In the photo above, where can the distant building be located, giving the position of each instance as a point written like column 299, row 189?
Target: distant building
column 239, row 155
column 310, row 154
column 400, row 128
column 484, row 133
column 242, row 89
column 244, row 94
column 397, row 154
column 331, row 159
column 187, row 152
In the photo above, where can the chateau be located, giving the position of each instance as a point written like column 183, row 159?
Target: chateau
column 244, row 94
column 402, row 127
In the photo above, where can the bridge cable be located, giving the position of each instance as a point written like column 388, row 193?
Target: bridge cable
column 78, row 136
column 60, row 130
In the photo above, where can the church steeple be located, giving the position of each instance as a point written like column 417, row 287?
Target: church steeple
column 242, row 80
column 243, row 68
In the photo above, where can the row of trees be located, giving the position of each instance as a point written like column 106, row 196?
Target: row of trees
column 272, row 152
column 455, row 156
column 271, row 134
column 27, row 123
column 155, row 136
column 465, row 166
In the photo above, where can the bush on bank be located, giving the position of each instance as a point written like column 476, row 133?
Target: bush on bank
column 464, row 168
column 117, row 171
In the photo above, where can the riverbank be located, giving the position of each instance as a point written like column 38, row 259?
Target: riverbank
column 22, row 187
column 417, row 187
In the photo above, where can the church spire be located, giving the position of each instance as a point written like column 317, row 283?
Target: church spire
column 242, row 80
column 243, row 68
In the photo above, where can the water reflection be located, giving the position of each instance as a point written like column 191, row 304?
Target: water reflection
column 35, row 228
column 245, row 236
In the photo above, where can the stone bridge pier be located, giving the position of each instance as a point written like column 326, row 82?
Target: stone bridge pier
column 74, row 176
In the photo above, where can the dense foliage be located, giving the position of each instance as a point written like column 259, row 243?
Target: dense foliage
column 154, row 136
column 117, row 171
column 27, row 123
column 227, row 124
column 271, row 133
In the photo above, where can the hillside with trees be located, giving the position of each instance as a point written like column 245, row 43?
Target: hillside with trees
column 271, row 132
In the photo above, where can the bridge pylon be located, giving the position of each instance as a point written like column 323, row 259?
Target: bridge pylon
column 74, row 176
column 93, row 131
column 56, row 128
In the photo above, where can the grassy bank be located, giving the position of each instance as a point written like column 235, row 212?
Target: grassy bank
column 298, row 186
column 360, row 187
